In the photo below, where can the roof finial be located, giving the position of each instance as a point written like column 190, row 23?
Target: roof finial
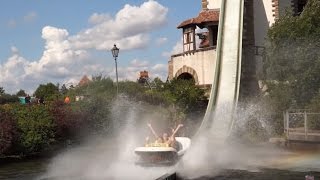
column 204, row 4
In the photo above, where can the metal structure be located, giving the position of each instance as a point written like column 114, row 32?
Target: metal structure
column 226, row 85
column 302, row 126
column 225, row 92
column 115, row 53
column 148, row 83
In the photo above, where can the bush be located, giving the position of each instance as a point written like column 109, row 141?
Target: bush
column 7, row 98
column 35, row 126
column 68, row 121
column 8, row 130
column 96, row 114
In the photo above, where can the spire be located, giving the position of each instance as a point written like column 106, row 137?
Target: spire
column 204, row 5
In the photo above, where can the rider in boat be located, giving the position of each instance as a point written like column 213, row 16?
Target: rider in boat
column 165, row 140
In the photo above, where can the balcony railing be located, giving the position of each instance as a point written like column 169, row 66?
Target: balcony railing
column 194, row 51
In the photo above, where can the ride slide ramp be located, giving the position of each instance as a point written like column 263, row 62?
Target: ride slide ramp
column 224, row 95
column 225, row 87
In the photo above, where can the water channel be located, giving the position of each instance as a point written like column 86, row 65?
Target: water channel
column 291, row 167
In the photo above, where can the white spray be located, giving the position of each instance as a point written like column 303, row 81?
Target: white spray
column 105, row 158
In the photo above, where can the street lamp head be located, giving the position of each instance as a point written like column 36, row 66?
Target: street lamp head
column 115, row 51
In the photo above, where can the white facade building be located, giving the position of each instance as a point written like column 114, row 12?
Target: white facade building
column 197, row 61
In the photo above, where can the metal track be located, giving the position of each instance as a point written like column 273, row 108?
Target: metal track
column 225, row 87
column 226, row 84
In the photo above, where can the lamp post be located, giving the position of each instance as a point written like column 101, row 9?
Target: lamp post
column 115, row 52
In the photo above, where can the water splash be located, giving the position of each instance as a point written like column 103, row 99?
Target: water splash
column 214, row 150
column 108, row 158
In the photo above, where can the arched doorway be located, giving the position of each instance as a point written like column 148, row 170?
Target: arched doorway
column 185, row 76
column 187, row 73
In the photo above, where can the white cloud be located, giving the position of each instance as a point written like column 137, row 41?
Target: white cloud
column 96, row 18
column 160, row 67
column 12, row 71
column 12, row 23
column 138, row 63
column 30, row 17
column 128, row 29
column 66, row 58
column 159, row 70
column 161, row 41
column 176, row 49
column 14, row 50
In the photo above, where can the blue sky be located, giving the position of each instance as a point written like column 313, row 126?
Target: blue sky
column 60, row 41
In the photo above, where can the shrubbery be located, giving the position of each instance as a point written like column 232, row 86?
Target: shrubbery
column 292, row 63
column 8, row 130
column 67, row 120
column 35, row 126
column 7, row 98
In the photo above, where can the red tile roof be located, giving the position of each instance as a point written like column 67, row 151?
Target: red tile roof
column 205, row 16
column 84, row 81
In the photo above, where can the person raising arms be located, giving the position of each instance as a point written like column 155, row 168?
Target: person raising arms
column 165, row 139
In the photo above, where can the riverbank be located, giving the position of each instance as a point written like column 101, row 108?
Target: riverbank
column 53, row 151
column 5, row 160
column 30, row 169
column 264, row 174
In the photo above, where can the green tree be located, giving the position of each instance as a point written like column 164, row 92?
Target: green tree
column 36, row 127
column 158, row 83
column 185, row 94
column 8, row 130
column 293, row 55
column 1, row 90
column 48, row 91
column 21, row 93
column 7, row 98
column 63, row 89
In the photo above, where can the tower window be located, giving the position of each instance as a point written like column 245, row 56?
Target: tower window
column 188, row 39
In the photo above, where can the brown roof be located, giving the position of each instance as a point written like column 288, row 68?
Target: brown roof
column 84, row 81
column 204, row 16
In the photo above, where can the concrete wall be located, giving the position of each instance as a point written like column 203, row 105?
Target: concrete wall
column 263, row 19
column 203, row 62
column 285, row 5
column 214, row 4
column 265, row 15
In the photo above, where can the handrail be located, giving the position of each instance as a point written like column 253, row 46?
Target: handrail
column 194, row 51
column 302, row 132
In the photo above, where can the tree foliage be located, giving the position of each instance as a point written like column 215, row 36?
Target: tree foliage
column 7, row 98
column 49, row 91
column 21, row 92
column 67, row 120
column 1, row 90
column 293, row 55
column 38, row 127
column 8, row 131
column 35, row 126
column 63, row 89
column 185, row 94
